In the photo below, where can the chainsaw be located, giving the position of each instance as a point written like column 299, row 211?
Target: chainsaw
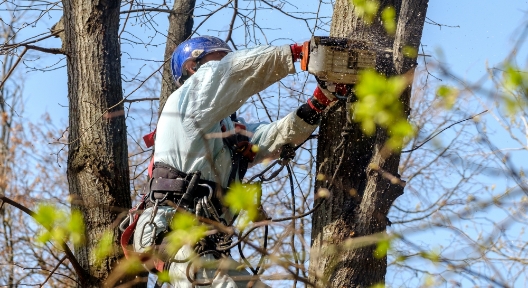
column 336, row 60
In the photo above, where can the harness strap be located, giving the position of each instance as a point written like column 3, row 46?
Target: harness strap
column 126, row 236
column 128, row 232
column 178, row 187
column 158, row 263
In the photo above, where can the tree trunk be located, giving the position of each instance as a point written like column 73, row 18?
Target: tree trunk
column 98, row 173
column 180, row 28
column 360, row 197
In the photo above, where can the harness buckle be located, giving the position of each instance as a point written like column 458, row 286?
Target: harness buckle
column 208, row 204
column 153, row 224
column 191, row 187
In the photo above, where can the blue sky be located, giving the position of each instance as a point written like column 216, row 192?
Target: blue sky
column 484, row 36
column 486, row 33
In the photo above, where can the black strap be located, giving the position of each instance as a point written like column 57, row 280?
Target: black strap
column 239, row 163
column 168, row 183
column 177, row 187
column 309, row 115
column 234, row 117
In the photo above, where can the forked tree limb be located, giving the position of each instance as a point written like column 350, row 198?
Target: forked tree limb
column 81, row 273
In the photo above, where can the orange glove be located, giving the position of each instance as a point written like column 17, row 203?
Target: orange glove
column 300, row 52
column 321, row 99
column 296, row 51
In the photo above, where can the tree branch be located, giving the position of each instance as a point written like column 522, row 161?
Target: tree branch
column 46, row 50
column 232, row 24
column 13, row 68
column 12, row 46
column 140, row 99
column 53, row 271
column 69, row 254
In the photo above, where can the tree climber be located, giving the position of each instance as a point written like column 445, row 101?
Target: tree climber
column 202, row 147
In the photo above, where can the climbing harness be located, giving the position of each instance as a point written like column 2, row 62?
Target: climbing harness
column 171, row 187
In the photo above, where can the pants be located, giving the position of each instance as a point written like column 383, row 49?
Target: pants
column 222, row 273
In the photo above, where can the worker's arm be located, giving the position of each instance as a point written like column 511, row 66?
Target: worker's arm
column 293, row 129
column 271, row 137
column 220, row 88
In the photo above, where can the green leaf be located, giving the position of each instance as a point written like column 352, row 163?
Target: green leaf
column 366, row 9
column 382, row 248
column 512, row 78
column 378, row 104
column 105, row 247
column 132, row 266
column 47, row 215
column 429, row 281
column 44, row 237
column 244, row 197
column 512, row 105
column 76, row 227
column 186, row 230
column 433, row 255
column 399, row 131
column 163, row 277
column 448, row 95
column 409, row 52
column 401, row 258
column 55, row 223
column 388, row 15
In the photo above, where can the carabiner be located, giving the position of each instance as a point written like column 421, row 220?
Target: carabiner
column 150, row 223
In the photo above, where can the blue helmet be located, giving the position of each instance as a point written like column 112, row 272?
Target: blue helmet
column 195, row 48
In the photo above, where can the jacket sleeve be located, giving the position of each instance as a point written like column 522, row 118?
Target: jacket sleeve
column 220, row 88
column 271, row 137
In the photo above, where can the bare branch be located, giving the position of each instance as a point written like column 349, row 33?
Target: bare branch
column 13, row 67
column 46, row 50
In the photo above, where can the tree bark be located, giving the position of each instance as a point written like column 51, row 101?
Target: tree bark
column 180, row 28
column 98, row 173
column 360, row 195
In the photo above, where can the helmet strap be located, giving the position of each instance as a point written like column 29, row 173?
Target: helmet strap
column 182, row 79
column 198, row 64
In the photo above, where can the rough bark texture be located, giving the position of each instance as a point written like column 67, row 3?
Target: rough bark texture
column 180, row 29
column 360, row 197
column 98, row 173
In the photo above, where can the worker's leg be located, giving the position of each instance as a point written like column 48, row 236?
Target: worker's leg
column 229, row 274
column 236, row 273
column 223, row 273
column 143, row 233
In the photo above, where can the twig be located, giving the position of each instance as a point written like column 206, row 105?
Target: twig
column 438, row 24
column 436, row 134
column 81, row 273
column 232, row 24
column 13, row 67
column 425, row 62
column 125, row 22
column 46, row 50
column 12, row 46
column 140, row 99
column 53, row 271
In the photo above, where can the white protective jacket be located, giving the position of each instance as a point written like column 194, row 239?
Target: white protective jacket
column 189, row 136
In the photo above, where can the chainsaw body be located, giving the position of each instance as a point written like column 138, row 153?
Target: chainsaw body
column 337, row 60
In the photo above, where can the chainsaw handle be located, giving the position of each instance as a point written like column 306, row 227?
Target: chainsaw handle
column 305, row 55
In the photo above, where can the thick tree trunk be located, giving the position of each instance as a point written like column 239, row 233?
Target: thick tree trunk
column 180, row 28
column 98, row 174
column 360, row 196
